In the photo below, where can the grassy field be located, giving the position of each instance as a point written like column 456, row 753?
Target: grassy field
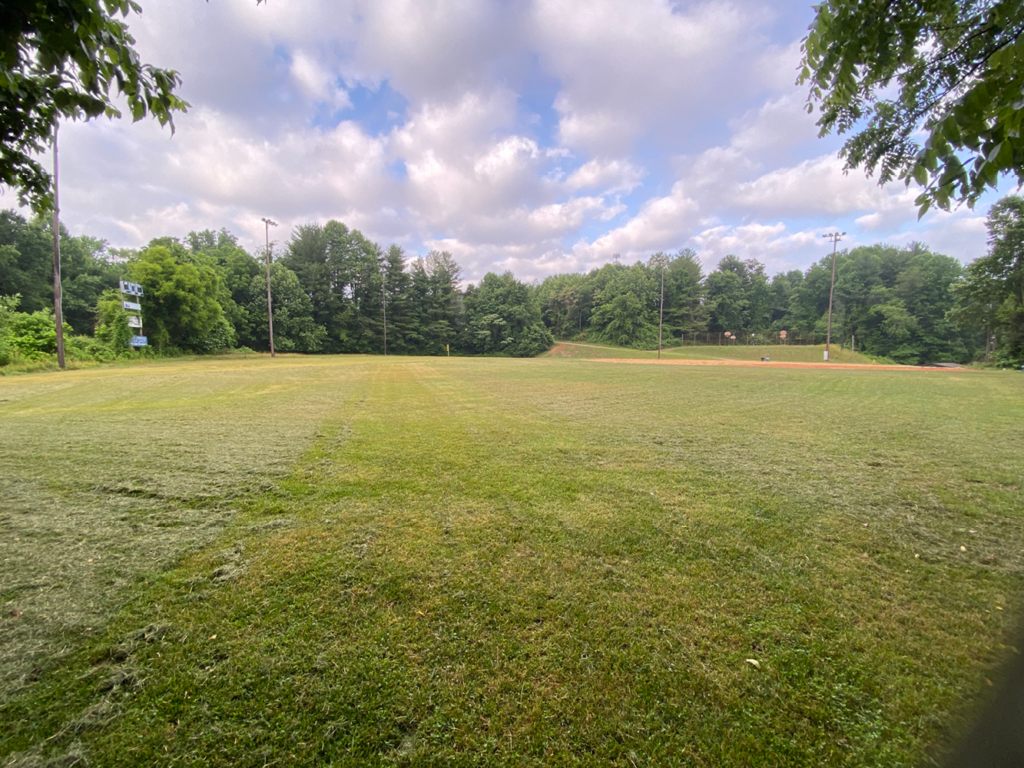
column 777, row 352
column 409, row 561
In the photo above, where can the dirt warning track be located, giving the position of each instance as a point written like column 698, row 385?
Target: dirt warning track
column 773, row 364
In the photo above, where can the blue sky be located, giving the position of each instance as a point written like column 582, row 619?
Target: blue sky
column 541, row 137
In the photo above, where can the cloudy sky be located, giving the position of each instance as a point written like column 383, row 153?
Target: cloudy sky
column 539, row 136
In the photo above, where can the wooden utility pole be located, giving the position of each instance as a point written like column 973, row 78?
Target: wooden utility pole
column 835, row 237
column 270, row 311
column 58, row 310
column 661, row 309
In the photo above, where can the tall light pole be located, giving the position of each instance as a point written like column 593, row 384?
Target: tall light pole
column 384, row 305
column 270, row 312
column 835, row 237
column 661, row 308
column 58, row 309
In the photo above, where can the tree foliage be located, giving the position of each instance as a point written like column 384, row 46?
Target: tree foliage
column 26, row 267
column 180, row 307
column 330, row 288
column 893, row 300
column 992, row 296
column 888, row 70
column 68, row 59
column 503, row 317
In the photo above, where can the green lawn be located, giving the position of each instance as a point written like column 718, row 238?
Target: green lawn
column 782, row 353
column 411, row 561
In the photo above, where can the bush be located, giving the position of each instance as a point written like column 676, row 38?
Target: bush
column 112, row 326
column 221, row 337
column 34, row 335
column 532, row 341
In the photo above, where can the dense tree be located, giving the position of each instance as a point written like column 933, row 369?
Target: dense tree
column 340, row 271
column 992, row 297
column 8, row 308
column 85, row 275
column 438, row 301
column 563, row 299
column 180, row 307
column 236, row 268
column 727, row 301
column 783, row 287
column 503, row 316
column 625, row 301
column 685, row 310
column 893, row 300
column 403, row 333
column 26, row 261
column 893, row 71
column 332, row 285
column 294, row 327
column 26, row 267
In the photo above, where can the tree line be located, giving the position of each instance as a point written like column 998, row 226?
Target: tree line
column 892, row 302
column 332, row 290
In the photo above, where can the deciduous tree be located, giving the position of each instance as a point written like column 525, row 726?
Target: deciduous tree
column 68, row 59
column 993, row 294
column 889, row 71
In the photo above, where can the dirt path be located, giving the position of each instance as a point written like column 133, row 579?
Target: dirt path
column 773, row 364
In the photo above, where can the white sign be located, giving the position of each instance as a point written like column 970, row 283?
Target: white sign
column 134, row 321
column 138, row 341
column 132, row 305
column 132, row 289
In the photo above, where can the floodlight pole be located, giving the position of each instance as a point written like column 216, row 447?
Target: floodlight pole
column 384, row 306
column 270, row 312
column 58, row 309
column 835, row 237
column 661, row 308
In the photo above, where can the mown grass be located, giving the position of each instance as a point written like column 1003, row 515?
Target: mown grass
column 498, row 562
column 785, row 353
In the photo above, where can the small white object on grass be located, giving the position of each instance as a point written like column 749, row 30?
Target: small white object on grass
column 754, row 663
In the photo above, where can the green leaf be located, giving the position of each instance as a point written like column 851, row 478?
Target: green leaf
column 920, row 174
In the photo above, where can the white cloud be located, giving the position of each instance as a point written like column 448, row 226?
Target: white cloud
column 541, row 136
column 771, row 244
column 316, row 82
column 609, row 175
column 961, row 234
column 641, row 67
column 778, row 124
column 662, row 224
column 817, row 187
column 778, row 66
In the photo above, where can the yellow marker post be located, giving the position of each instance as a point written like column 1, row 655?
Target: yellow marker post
column 448, row 350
